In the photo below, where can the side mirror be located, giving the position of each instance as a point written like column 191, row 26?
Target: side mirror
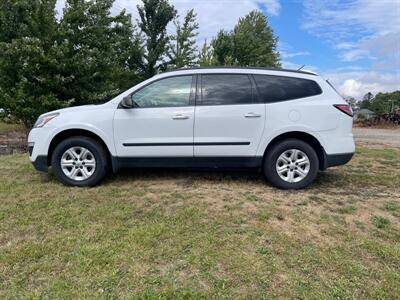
column 126, row 102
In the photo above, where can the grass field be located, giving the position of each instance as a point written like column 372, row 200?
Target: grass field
column 8, row 127
column 174, row 234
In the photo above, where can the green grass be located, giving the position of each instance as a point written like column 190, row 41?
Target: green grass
column 174, row 234
column 7, row 127
column 380, row 222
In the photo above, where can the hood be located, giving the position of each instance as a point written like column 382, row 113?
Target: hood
column 78, row 108
column 81, row 108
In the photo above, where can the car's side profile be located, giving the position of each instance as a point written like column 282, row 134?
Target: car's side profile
column 289, row 124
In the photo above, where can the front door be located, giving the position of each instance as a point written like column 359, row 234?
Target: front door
column 160, row 124
column 229, row 118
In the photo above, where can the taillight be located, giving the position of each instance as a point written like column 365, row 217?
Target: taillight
column 345, row 108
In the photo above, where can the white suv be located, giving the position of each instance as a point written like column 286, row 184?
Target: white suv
column 288, row 124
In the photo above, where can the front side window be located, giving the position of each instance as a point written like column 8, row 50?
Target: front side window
column 168, row 92
column 281, row 88
column 225, row 89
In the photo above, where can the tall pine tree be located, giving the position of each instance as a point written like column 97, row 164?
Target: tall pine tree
column 96, row 52
column 206, row 55
column 182, row 48
column 254, row 42
column 154, row 18
column 223, row 49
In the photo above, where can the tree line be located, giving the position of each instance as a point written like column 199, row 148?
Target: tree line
column 380, row 104
column 90, row 55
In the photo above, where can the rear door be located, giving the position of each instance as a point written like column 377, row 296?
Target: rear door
column 229, row 119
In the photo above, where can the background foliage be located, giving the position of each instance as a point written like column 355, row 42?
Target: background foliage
column 381, row 103
column 89, row 55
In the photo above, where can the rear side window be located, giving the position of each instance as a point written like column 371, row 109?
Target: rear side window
column 280, row 88
column 225, row 89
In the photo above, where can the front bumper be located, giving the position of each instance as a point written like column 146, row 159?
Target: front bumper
column 31, row 145
column 40, row 163
column 38, row 141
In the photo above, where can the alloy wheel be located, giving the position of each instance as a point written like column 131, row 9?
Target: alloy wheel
column 78, row 163
column 293, row 165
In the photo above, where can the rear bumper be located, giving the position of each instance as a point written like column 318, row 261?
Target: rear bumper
column 40, row 163
column 332, row 160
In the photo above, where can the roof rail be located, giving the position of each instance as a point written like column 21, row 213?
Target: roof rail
column 244, row 68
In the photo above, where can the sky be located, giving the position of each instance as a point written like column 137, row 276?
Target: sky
column 353, row 43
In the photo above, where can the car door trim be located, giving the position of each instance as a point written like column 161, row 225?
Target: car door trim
column 187, row 144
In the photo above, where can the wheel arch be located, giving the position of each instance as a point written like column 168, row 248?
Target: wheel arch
column 305, row 137
column 67, row 133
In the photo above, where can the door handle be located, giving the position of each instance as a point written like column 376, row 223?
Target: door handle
column 252, row 115
column 180, row 117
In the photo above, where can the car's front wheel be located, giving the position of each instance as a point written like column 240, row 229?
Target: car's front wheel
column 291, row 164
column 79, row 161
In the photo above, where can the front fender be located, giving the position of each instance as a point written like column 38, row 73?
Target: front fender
column 106, row 137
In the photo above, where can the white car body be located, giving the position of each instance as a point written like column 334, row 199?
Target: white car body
column 241, row 132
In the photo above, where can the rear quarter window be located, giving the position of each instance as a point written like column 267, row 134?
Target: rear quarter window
column 281, row 88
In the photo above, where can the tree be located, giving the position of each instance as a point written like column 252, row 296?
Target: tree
column 223, row 49
column 87, row 57
column 381, row 103
column 154, row 18
column 206, row 55
column 126, row 44
column 254, row 42
column 182, row 48
column 28, row 65
column 366, row 101
column 251, row 43
column 96, row 51
column 385, row 103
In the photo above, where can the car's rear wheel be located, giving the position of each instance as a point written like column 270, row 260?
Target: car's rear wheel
column 79, row 161
column 291, row 164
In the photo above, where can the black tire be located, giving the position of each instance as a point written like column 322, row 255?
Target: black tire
column 270, row 161
column 94, row 147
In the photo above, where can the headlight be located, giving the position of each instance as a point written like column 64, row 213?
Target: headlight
column 44, row 120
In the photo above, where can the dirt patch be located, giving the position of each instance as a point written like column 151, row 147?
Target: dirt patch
column 377, row 126
column 377, row 137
